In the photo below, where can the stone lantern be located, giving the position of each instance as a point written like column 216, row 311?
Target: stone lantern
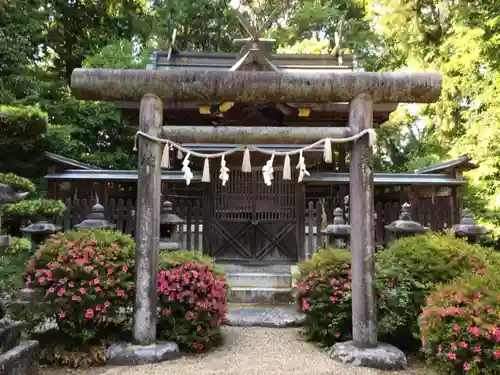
column 96, row 219
column 468, row 228
column 39, row 231
column 7, row 195
column 405, row 226
column 338, row 231
column 169, row 228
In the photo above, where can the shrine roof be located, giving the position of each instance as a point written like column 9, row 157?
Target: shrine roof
column 69, row 162
column 463, row 163
column 318, row 177
column 224, row 61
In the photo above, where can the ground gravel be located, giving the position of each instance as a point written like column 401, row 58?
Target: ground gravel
column 251, row 351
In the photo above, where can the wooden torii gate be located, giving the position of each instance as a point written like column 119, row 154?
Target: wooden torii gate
column 152, row 88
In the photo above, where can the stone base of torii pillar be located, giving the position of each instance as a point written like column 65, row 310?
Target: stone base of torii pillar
column 364, row 350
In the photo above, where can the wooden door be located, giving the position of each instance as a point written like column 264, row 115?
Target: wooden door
column 252, row 222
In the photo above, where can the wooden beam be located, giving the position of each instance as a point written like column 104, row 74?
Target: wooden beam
column 249, row 135
column 316, row 107
column 248, row 86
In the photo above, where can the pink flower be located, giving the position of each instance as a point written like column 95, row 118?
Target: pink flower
column 466, row 366
column 454, row 346
column 496, row 354
column 474, row 331
column 41, row 280
column 82, row 291
column 60, row 292
column 120, row 293
column 51, row 290
column 62, row 315
column 476, row 349
column 305, row 304
column 76, row 298
column 89, row 314
column 451, row 356
column 124, row 268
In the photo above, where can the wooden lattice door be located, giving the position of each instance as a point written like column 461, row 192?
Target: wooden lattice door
column 252, row 222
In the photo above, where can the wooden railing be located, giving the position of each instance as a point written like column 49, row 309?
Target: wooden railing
column 436, row 215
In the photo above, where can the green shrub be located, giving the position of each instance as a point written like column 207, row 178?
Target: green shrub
column 460, row 326
column 13, row 264
column 173, row 258
column 85, row 281
column 17, row 183
column 192, row 300
column 412, row 267
column 23, row 123
column 36, row 208
column 324, row 296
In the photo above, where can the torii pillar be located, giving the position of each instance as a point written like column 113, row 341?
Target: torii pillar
column 360, row 89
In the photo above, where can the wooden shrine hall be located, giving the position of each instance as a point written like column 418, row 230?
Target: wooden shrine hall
column 253, row 206
column 246, row 216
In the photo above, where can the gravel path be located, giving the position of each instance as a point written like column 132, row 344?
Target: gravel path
column 248, row 351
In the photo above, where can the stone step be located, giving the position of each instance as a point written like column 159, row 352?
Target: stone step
column 255, row 315
column 260, row 280
column 240, row 268
column 261, row 295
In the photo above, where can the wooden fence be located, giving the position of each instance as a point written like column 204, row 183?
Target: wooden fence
column 437, row 215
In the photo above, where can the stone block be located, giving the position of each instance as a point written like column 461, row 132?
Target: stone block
column 382, row 357
column 126, row 354
column 21, row 360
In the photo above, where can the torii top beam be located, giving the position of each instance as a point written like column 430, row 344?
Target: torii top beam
column 248, row 86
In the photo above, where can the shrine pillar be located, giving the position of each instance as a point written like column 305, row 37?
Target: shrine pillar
column 361, row 193
column 148, row 221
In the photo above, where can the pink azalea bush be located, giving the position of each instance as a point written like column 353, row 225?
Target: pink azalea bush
column 191, row 300
column 460, row 326
column 84, row 280
column 324, row 296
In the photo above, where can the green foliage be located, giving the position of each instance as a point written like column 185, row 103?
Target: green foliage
column 171, row 259
column 119, row 55
column 324, row 296
column 22, row 122
column 17, row 183
column 13, row 263
column 412, row 267
column 459, row 326
column 84, row 279
column 74, row 33
column 36, row 208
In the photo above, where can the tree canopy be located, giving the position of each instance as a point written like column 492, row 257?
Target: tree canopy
column 42, row 42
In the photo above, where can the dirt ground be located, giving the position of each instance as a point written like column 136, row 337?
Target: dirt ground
column 249, row 351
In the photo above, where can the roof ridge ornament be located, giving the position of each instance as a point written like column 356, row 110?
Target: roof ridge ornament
column 255, row 52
